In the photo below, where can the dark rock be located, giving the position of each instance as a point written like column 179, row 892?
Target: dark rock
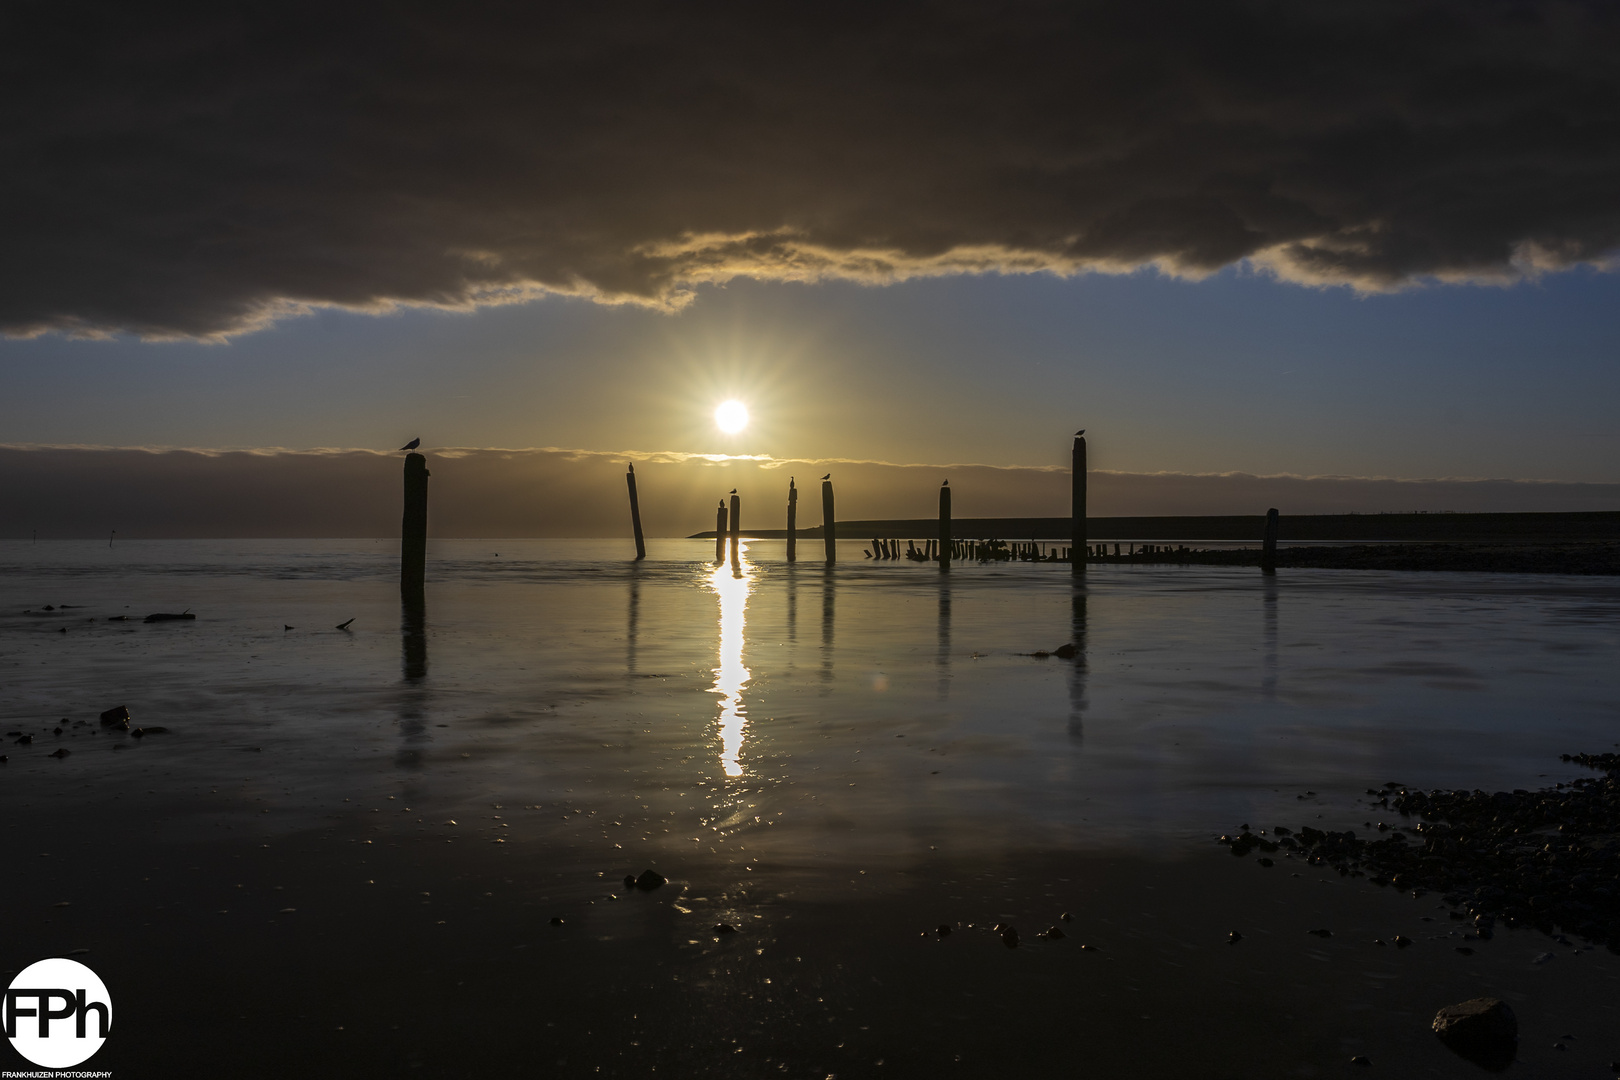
column 118, row 716
column 1402, row 941
column 1321, row 933
column 1465, row 950
column 118, row 618
column 556, row 920
column 4, row 758
column 1009, row 936
column 141, row 732
column 1066, row 917
column 1360, row 1059
column 650, row 880
column 1065, row 652
column 58, row 731
column 1053, row 934
column 63, row 752
column 1233, row 938
column 724, row 928
column 24, row 740
column 629, row 881
column 943, row 929
column 1482, row 1030
column 169, row 616
column 1265, row 861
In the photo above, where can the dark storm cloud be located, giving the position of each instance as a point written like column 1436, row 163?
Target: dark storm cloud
column 174, row 172
column 86, row 492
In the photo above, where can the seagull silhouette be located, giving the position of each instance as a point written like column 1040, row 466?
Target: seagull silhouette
column 733, row 491
column 412, row 445
column 827, row 477
column 1079, row 433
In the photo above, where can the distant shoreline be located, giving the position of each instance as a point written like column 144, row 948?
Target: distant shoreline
column 1534, row 528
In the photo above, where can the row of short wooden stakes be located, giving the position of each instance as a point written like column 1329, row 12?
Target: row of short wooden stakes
column 728, row 527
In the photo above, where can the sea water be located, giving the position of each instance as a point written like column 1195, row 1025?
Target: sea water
column 803, row 711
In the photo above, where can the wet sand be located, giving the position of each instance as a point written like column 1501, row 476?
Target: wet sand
column 859, row 759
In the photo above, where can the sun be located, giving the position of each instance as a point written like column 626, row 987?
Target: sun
column 731, row 416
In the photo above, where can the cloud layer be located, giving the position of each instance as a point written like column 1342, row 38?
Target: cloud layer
column 71, row 492
column 175, row 172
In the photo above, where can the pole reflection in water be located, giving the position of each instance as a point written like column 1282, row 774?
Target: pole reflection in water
column 827, row 612
column 943, row 660
column 732, row 584
column 1268, row 662
column 414, row 664
column 1077, row 671
column 633, row 620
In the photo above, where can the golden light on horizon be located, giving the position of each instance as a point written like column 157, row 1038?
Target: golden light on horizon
column 731, row 416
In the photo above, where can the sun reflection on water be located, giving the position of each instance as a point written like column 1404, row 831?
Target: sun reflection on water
column 732, row 584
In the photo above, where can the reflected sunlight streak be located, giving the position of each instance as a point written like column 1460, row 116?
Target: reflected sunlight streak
column 732, row 586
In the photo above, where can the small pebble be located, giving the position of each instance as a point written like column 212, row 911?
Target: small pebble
column 1234, row 937
column 724, row 928
column 1360, row 1059
column 556, row 920
column 1402, row 941
column 1321, row 933
column 943, row 930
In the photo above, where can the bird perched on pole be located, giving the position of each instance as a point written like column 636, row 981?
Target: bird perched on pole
column 1079, row 433
column 827, row 477
column 412, row 445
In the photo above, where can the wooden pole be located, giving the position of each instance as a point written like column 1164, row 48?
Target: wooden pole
column 635, row 513
column 1268, row 554
column 413, row 527
column 793, row 522
column 829, row 523
column 736, row 526
column 945, row 526
column 1077, row 508
column 720, row 533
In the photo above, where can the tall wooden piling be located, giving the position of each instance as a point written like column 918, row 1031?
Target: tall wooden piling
column 736, row 527
column 720, row 533
column 635, row 513
column 413, row 528
column 1268, row 551
column 945, row 526
column 793, row 522
column 829, row 523
column 1077, row 506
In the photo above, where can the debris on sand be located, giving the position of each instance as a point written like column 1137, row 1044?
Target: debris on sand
column 1546, row 858
column 345, row 624
column 1483, row 1030
column 142, row 732
column 169, row 616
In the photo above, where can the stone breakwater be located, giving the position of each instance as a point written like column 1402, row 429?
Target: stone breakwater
column 1548, row 859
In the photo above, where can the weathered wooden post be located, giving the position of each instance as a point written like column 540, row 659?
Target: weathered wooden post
column 1077, row 508
column 413, row 528
column 720, row 533
column 793, row 522
column 945, row 526
column 1268, row 552
column 829, row 524
column 635, row 513
column 736, row 526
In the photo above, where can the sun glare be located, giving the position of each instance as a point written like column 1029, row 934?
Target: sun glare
column 731, row 416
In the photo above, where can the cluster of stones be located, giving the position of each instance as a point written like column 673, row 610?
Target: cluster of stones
column 1548, row 859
